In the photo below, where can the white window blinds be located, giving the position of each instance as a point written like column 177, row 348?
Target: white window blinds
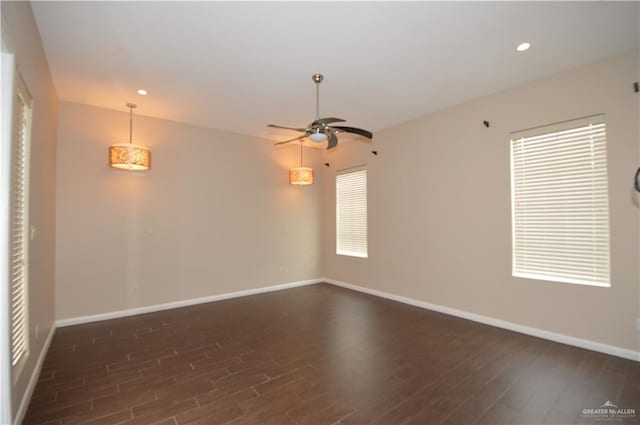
column 19, row 223
column 351, row 213
column 560, row 203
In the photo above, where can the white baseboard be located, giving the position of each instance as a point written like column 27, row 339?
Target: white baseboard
column 539, row 333
column 26, row 397
column 184, row 303
column 551, row 336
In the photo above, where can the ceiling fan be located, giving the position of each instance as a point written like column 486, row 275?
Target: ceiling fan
column 320, row 130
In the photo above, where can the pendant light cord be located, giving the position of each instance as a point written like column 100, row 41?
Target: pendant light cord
column 131, row 106
column 301, row 153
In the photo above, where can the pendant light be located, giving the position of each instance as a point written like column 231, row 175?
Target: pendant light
column 301, row 175
column 127, row 156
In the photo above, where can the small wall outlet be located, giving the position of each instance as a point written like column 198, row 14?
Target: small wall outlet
column 33, row 232
column 284, row 270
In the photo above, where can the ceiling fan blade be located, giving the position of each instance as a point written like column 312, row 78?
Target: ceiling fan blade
column 287, row 128
column 326, row 121
column 291, row 140
column 355, row 130
column 333, row 141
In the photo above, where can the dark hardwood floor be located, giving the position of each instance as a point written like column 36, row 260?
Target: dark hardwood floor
column 320, row 355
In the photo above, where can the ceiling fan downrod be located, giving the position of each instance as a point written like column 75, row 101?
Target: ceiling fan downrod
column 317, row 78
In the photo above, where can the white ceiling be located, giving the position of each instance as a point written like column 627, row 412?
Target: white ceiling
column 239, row 66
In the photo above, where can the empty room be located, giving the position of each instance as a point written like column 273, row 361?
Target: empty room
column 320, row 213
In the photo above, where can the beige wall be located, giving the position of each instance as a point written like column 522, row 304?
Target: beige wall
column 20, row 36
column 439, row 207
column 215, row 214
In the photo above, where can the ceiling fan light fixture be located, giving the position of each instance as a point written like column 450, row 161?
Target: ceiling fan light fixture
column 317, row 136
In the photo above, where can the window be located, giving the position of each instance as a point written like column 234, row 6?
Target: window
column 351, row 213
column 19, row 222
column 560, row 203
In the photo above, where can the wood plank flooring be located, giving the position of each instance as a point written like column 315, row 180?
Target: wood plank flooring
column 320, row 355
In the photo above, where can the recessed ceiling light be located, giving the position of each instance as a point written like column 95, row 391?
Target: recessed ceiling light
column 142, row 92
column 523, row 46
